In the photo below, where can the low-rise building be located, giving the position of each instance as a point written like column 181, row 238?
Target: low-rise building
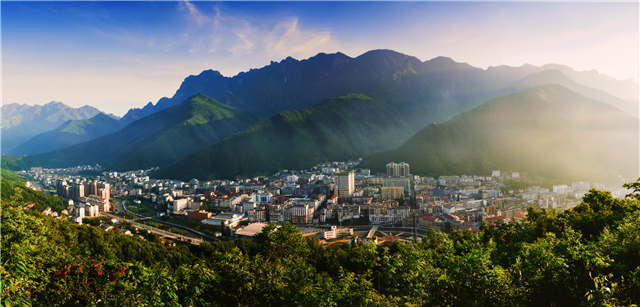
column 198, row 215
column 337, row 232
column 228, row 219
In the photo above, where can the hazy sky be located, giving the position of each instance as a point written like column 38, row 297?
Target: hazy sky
column 118, row 55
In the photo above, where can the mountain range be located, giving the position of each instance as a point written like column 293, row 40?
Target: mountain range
column 70, row 133
column 331, row 103
column 158, row 139
column 298, row 85
column 441, row 86
column 550, row 131
column 22, row 122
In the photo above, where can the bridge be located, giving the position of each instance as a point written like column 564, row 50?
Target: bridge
column 372, row 231
column 157, row 230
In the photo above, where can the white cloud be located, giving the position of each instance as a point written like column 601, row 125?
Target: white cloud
column 195, row 15
column 242, row 37
column 286, row 39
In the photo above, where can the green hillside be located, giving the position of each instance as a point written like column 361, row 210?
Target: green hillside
column 159, row 139
column 70, row 133
column 13, row 187
column 550, row 131
column 341, row 128
column 12, row 163
column 11, row 176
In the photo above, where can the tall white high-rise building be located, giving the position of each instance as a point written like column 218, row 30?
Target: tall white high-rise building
column 345, row 184
column 403, row 169
column 398, row 169
column 392, row 169
column 560, row 189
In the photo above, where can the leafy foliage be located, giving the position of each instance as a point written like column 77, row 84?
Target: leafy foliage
column 11, row 176
column 40, row 200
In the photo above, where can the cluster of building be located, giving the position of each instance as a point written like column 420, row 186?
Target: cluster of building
column 327, row 193
column 92, row 192
column 579, row 189
column 47, row 177
column 79, row 210
column 86, row 197
column 37, row 172
column 340, row 191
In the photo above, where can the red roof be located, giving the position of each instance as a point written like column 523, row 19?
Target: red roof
column 448, row 216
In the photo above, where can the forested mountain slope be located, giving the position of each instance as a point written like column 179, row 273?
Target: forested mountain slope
column 340, row 128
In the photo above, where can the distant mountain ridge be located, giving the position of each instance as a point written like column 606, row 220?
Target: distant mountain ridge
column 158, row 139
column 298, row 85
column 70, row 133
column 627, row 89
column 22, row 122
column 548, row 77
column 550, row 131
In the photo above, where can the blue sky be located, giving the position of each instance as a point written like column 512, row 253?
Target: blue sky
column 118, row 55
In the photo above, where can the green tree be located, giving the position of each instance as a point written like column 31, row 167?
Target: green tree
column 205, row 206
column 635, row 186
column 284, row 241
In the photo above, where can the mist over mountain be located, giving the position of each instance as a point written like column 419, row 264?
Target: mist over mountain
column 22, row 122
column 558, row 77
column 70, row 133
column 627, row 89
column 550, row 131
column 158, row 139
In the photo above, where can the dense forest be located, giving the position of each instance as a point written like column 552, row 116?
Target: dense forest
column 588, row 256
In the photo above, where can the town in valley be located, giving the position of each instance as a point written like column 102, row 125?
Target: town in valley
column 334, row 202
